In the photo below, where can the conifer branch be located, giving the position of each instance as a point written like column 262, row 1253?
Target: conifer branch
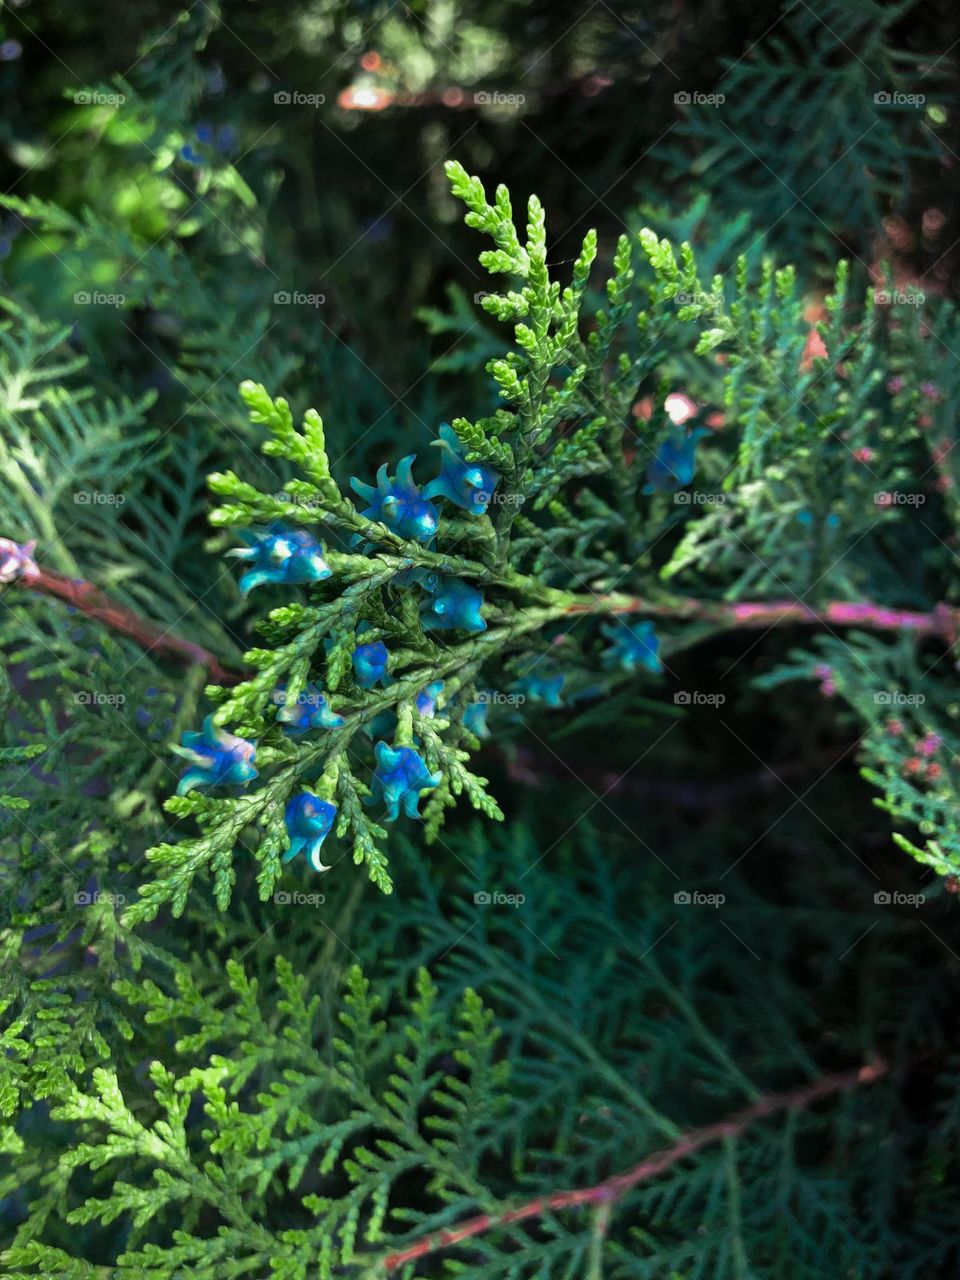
column 612, row 1189
column 943, row 621
column 414, row 595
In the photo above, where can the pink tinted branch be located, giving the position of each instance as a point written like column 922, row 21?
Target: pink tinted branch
column 609, row 1191
column 943, row 621
column 93, row 602
column 17, row 565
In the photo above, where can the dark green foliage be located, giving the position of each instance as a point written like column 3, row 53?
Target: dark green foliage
column 327, row 1104
column 716, row 881
column 822, row 122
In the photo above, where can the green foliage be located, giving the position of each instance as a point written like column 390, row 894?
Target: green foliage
column 291, row 1123
column 215, row 1062
column 267, row 1144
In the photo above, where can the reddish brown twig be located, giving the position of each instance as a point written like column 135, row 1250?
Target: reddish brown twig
column 943, row 622
column 609, row 1191
column 95, row 603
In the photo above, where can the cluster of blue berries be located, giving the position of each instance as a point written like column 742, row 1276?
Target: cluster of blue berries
column 220, row 758
column 401, row 775
column 282, row 555
column 409, row 511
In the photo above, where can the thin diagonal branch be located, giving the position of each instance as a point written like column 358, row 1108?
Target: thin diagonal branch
column 93, row 602
column 612, row 1189
column 943, row 621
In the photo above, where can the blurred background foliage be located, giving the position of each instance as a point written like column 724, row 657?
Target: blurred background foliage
column 221, row 194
